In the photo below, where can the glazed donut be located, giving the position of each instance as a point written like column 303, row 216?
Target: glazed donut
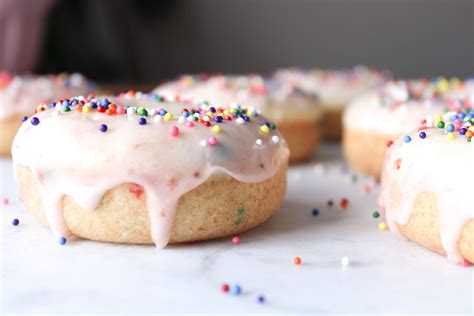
column 374, row 120
column 297, row 114
column 427, row 182
column 335, row 89
column 19, row 95
column 140, row 169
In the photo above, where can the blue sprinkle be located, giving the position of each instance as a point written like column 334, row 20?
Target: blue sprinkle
column 235, row 289
column 463, row 131
column 422, row 135
column 407, row 139
column 246, row 118
column 212, row 109
column 450, row 128
column 261, row 299
column 315, row 211
column 62, row 241
column 15, row 222
column 218, row 119
column 185, row 114
column 163, row 112
column 142, row 121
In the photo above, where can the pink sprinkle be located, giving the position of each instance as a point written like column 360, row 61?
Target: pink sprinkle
column 5, row 201
column 189, row 124
column 174, row 131
column 212, row 141
column 236, row 240
column 120, row 110
column 465, row 263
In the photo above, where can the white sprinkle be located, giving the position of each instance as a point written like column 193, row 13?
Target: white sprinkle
column 131, row 110
column 181, row 119
column 152, row 112
column 206, row 118
column 240, row 121
column 275, row 139
column 345, row 261
column 259, row 142
column 157, row 118
column 203, row 143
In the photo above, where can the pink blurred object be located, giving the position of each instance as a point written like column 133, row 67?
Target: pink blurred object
column 21, row 33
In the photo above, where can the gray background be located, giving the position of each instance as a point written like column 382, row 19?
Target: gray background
column 409, row 37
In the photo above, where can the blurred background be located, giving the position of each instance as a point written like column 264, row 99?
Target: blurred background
column 147, row 41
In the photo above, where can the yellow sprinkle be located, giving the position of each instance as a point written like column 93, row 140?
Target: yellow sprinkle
column 86, row 109
column 168, row 117
column 382, row 226
column 438, row 118
column 450, row 136
column 210, row 114
column 226, row 112
column 217, row 129
column 264, row 129
column 443, row 85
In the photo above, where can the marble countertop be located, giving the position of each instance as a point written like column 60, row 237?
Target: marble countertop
column 386, row 274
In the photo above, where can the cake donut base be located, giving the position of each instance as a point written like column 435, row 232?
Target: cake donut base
column 423, row 225
column 303, row 138
column 8, row 129
column 365, row 151
column 332, row 122
column 219, row 207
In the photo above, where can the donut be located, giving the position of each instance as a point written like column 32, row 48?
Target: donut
column 20, row 94
column 374, row 120
column 296, row 113
column 137, row 168
column 335, row 89
column 426, row 185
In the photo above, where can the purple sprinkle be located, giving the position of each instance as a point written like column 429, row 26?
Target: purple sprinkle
column 15, row 222
column 24, row 119
column 103, row 128
column 261, row 299
column 142, row 121
column 35, row 121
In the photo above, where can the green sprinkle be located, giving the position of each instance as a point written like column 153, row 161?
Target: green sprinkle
column 375, row 214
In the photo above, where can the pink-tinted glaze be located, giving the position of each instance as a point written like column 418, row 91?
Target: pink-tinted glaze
column 77, row 160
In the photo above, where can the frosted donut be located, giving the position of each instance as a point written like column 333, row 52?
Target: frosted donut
column 427, row 185
column 139, row 169
column 297, row 114
column 335, row 90
column 19, row 95
column 377, row 118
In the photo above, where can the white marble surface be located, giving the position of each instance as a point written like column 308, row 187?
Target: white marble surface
column 386, row 274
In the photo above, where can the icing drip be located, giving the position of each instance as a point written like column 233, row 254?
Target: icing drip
column 275, row 98
column 440, row 164
column 72, row 156
column 20, row 94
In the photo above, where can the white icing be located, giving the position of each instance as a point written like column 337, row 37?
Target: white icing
column 70, row 156
column 335, row 88
column 437, row 165
column 276, row 99
column 20, row 95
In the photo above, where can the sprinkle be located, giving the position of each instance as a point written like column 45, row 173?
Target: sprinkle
column 264, row 129
column 382, row 226
column 422, row 135
column 212, row 141
column 297, row 261
column 131, row 110
column 142, row 111
column 451, row 136
column 235, row 289
column 240, row 121
column 345, row 261
column 24, row 119
column 259, row 142
column 315, row 212
column 142, row 121
column 35, row 121
column 441, row 124
column 344, row 203
column 375, row 214
column 261, row 299
column 168, row 117
column 15, row 222
column 465, row 262
column 389, row 143
column 103, row 128
column 330, row 203
column 5, row 201
column 174, row 131
column 62, row 241
column 216, row 129
column 407, row 139
column 236, row 240
column 275, row 139
column 203, row 143
column 225, row 287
